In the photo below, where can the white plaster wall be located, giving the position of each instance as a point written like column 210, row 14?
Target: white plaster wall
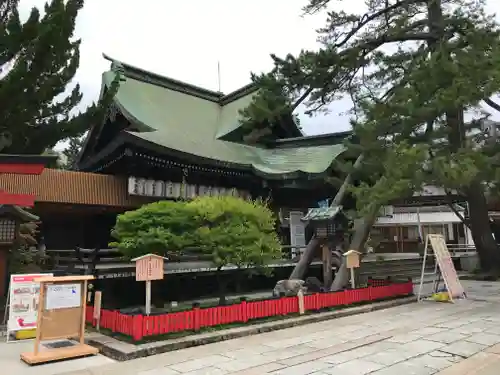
column 425, row 218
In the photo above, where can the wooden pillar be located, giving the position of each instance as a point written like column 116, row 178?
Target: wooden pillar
column 327, row 266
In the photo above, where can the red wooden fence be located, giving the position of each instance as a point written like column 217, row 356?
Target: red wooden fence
column 139, row 326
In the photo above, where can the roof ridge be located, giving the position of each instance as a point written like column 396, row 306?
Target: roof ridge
column 177, row 85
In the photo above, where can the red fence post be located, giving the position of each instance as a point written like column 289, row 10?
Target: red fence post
column 114, row 320
column 348, row 297
column 196, row 318
column 137, row 329
column 409, row 287
column 89, row 314
column 244, row 314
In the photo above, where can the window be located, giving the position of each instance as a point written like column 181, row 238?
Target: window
column 410, row 233
column 384, row 233
column 435, row 229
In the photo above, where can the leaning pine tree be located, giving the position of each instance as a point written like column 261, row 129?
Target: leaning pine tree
column 38, row 59
column 412, row 68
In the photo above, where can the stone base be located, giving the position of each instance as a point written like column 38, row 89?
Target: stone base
column 469, row 263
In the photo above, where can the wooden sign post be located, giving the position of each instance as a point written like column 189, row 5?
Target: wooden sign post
column 61, row 315
column 300, row 298
column 97, row 309
column 352, row 262
column 147, row 268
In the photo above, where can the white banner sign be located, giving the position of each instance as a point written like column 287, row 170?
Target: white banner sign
column 63, row 296
column 297, row 232
column 24, row 294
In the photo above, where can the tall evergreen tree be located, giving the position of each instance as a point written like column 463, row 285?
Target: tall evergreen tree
column 72, row 151
column 38, row 59
column 412, row 67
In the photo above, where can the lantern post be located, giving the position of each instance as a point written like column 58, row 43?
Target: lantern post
column 327, row 223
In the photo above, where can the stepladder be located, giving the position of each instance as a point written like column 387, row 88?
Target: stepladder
column 435, row 274
column 443, row 270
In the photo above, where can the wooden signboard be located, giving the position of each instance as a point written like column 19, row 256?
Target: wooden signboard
column 446, row 266
column 61, row 315
column 352, row 258
column 147, row 268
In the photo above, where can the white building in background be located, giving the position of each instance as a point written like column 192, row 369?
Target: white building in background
column 401, row 227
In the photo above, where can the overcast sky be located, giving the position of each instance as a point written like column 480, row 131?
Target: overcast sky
column 186, row 40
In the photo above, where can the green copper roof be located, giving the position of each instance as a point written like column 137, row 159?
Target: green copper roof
column 192, row 123
column 229, row 115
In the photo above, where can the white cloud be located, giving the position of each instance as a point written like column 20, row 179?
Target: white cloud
column 186, row 40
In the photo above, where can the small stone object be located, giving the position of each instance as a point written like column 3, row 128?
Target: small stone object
column 289, row 288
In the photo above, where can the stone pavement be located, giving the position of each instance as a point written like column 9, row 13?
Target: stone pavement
column 416, row 339
column 482, row 363
column 10, row 364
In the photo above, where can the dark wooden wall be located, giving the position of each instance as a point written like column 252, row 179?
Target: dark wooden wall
column 65, row 230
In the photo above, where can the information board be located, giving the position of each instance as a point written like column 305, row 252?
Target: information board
column 24, row 294
column 63, row 296
column 149, row 267
column 63, row 319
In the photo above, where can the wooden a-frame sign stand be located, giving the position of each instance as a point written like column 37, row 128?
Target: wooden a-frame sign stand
column 61, row 315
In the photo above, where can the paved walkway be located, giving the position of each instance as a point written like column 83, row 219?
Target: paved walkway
column 10, row 364
column 416, row 339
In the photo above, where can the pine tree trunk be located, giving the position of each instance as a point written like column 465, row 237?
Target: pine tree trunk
column 222, row 284
column 486, row 246
column 362, row 229
column 305, row 260
column 308, row 255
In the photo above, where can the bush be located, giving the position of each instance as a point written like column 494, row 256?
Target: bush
column 230, row 230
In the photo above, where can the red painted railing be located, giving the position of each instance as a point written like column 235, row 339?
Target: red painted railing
column 21, row 168
column 139, row 326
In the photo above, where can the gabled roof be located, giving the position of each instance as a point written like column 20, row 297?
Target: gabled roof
column 187, row 120
column 181, row 97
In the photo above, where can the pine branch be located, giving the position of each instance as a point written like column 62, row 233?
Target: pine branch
column 454, row 209
column 492, row 104
column 367, row 18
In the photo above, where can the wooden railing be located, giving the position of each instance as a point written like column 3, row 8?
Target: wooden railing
column 83, row 260
column 69, row 258
column 461, row 249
